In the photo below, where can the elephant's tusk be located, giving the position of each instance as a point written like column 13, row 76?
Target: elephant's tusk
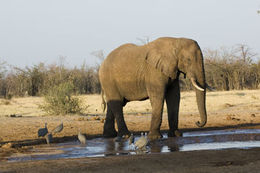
column 195, row 85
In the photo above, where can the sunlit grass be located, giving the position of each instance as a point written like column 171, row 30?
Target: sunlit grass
column 28, row 106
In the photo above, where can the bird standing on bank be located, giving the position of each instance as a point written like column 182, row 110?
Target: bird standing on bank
column 58, row 128
column 43, row 131
column 82, row 138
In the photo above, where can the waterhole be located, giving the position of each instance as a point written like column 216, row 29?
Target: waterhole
column 101, row 147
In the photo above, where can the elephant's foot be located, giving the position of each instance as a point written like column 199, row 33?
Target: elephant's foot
column 154, row 135
column 174, row 133
column 109, row 133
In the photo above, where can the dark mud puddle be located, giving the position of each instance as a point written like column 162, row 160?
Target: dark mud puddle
column 100, row 147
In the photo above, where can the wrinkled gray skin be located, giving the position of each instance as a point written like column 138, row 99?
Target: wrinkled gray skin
column 133, row 72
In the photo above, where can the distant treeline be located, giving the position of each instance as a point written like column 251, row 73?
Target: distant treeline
column 38, row 79
column 225, row 69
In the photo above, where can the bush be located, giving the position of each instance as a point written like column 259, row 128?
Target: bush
column 59, row 100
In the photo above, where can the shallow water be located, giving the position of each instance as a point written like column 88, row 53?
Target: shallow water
column 222, row 132
column 100, row 147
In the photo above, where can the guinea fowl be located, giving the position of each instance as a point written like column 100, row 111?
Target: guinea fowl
column 43, row 131
column 58, row 128
column 82, row 138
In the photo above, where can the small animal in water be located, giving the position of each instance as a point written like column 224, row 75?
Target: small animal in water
column 142, row 142
column 48, row 138
column 82, row 138
column 43, row 131
column 58, row 128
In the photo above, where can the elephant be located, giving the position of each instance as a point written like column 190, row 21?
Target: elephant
column 151, row 71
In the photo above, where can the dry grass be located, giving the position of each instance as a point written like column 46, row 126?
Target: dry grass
column 216, row 101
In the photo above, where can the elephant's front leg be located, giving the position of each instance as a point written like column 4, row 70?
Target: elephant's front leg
column 157, row 108
column 117, row 110
column 173, row 102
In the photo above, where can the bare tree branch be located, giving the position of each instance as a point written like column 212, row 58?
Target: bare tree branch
column 144, row 40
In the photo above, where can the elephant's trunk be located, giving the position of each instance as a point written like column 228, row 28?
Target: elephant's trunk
column 201, row 101
column 199, row 83
column 200, row 88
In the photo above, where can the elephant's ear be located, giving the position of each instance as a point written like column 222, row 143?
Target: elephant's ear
column 163, row 60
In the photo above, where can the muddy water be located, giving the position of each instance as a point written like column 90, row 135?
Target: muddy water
column 100, row 147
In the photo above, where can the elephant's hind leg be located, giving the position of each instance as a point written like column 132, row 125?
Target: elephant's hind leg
column 109, row 130
column 173, row 103
column 117, row 110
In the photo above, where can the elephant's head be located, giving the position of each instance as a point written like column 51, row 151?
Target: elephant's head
column 174, row 55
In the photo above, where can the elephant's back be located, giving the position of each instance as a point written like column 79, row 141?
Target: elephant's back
column 124, row 58
column 122, row 52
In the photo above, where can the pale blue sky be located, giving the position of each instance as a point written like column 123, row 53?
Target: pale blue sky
column 33, row 31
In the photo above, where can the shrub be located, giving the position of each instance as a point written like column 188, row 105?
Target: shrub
column 59, row 100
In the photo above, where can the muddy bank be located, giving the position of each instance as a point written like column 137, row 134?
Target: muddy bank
column 191, row 162
column 25, row 128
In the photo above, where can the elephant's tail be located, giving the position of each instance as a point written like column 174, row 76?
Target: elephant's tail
column 103, row 104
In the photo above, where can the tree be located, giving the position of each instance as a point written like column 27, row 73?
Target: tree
column 2, row 78
column 99, row 54
column 231, row 68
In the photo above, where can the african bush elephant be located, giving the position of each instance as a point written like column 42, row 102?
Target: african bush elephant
column 132, row 72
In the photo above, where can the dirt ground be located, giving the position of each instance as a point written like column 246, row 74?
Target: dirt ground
column 224, row 161
column 20, row 118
